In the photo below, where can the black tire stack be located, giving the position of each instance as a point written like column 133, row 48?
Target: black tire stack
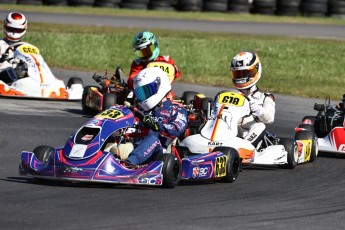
column 264, row 7
column 288, row 8
column 238, row 6
column 336, row 8
column 190, row 5
column 107, row 3
column 55, row 2
column 29, row 2
column 7, row 2
column 135, row 4
column 314, row 8
column 215, row 5
column 161, row 5
column 81, row 2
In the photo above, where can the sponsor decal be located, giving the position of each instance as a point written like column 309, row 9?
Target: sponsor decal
column 68, row 169
column 28, row 49
column 196, row 171
column 156, row 180
column 214, row 143
column 87, row 137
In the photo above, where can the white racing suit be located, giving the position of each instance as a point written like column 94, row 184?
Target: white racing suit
column 254, row 126
column 5, row 52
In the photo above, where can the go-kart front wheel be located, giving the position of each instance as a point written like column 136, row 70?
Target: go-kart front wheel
column 290, row 146
column 233, row 164
column 171, row 170
column 309, row 135
column 84, row 100
column 42, row 152
column 73, row 81
column 109, row 99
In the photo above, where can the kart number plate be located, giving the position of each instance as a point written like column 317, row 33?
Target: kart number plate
column 110, row 114
column 307, row 149
column 78, row 151
column 168, row 68
column 231, row 98
column 29, row 50
column 220, row 166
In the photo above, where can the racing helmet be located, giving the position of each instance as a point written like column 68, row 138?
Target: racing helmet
column 15, row 26
column 145, row 46
column 151, row 85
column 245, row 69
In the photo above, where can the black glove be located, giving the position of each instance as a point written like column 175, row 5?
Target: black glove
column 4, row 57
column 150, row 123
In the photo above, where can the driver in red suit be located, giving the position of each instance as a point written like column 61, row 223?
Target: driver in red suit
column 146, row 48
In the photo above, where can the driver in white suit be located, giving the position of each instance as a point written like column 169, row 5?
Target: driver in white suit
column 15, row 26
column 246, row 71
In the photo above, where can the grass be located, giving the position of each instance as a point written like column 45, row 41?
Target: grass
column 293, row 66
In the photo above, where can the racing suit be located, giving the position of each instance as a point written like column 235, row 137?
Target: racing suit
column 254, row 125
column 5, row 52
column 172, row 121
column 164, row 62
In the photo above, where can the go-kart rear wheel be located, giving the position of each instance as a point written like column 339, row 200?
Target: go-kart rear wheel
column 171, row 170
column 188, row 97
column 87, row 109
column 290, row 146
column 73, row 81
column 233, row 164
column 42, row 152
column 309, row 135
column 109, row 99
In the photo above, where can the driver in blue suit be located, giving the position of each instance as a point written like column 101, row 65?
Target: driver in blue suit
column 166, row 120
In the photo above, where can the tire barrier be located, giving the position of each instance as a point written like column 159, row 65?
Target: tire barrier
column 288, row 8
column 80, row 2
column 336, row 8
column 238, row 6
column 190, row 5
column 135, row 4
column 264, row 7
column 216, row 5
column 29, row 2
column 7, row 2
column 309, row 8
column 314, row 8
column 107, row 3
column 55, row 2
column 161, row 5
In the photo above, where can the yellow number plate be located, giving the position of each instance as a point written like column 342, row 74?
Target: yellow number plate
column 169, row 69
column 28, row 49
column 110, row 114
column 220, row 167
column 231, row 98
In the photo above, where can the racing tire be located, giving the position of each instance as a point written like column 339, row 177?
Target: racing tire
column 171, row 170
column 309, row 135
column 290, row 146
column 87, row 110
column 233, row 164
column 188, row 97
column 74, row 81
column 42, row 152
column 109, row 99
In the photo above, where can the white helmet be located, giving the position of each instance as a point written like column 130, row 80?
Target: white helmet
column 15, row 26
column 151, row 85
column 246, row 69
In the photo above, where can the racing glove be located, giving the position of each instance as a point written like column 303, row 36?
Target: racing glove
column 255, row 108
column 4, row 57
column 150, row 123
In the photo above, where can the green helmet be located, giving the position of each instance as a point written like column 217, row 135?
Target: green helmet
column 145, row 46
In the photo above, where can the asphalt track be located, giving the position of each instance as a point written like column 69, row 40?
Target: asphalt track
column 308, row 197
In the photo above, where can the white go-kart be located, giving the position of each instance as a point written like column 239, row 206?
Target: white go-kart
column 222, row 129
column 28, row 75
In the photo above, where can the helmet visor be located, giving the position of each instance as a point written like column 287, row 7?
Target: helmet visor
column 239, row 74
column 14, row 30
column 146, row 91
column 145, row 52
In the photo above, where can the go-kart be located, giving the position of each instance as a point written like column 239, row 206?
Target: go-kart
column 328, row 125
column 111, row 90
column 28, row 75
column 89, row 156
column 222, row 130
